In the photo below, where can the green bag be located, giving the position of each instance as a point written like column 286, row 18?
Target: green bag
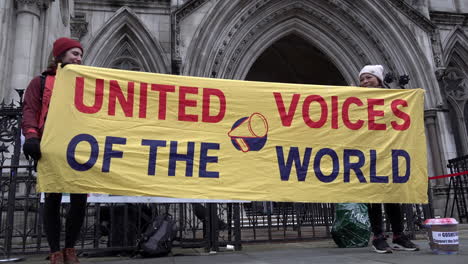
column 351, row 227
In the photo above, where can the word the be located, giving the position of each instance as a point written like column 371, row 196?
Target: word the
column 91, row 158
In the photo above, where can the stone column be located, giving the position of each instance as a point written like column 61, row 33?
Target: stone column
column 436, row 201
column 430, row 118
column 26, row 44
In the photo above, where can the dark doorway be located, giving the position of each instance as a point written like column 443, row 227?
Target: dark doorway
column 294, row 60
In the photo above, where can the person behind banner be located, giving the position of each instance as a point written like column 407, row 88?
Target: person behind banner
column 35, row 108
column 372, row 76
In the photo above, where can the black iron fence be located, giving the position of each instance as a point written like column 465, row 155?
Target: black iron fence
column 115, row 227
column 457, row 192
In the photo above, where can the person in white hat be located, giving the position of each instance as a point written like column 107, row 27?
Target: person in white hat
column 372, row 76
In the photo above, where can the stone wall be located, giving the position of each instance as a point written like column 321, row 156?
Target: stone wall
column 452, row 6
column 7, row 29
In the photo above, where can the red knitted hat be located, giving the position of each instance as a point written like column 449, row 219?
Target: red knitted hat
column 63, row 44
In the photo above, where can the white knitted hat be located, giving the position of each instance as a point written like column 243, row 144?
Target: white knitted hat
column 376, row 70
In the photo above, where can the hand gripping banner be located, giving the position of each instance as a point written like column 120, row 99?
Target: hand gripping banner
column 145, row 134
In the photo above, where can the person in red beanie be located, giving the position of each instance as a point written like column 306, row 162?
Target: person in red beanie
column 35, row 108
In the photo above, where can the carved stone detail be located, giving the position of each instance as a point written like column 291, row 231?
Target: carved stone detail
column 447, row 18
column 31, row 6
column 440, row 73
column 30, row 2
column 78, row 26
column 455, row 84
column 188, row 8
column 414, row 15
column 180, row 14
column 427, row 25
column 437, row 48
column 356, row 20
column 292, row 9
column 28, row 6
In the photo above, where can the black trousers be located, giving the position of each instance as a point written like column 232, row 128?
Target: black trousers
column 74, row 219
column 394, row 215
column 199, row 211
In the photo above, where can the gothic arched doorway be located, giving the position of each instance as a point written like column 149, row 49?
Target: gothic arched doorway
column 292, row 59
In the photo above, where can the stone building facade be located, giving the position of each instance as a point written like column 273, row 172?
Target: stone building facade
column 298, row 41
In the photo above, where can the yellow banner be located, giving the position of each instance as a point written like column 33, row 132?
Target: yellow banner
column 146, row 134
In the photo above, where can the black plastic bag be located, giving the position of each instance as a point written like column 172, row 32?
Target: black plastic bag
column 351, row 227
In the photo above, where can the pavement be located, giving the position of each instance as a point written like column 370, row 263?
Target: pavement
column 320, row 251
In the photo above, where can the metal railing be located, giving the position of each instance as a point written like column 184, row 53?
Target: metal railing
column 457, row 191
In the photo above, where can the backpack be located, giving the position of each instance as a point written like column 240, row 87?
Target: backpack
column 157, row 239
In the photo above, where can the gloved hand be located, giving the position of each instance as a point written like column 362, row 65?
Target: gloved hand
column 32, row 148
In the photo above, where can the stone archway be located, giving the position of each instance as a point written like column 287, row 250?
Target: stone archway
column 350, row 33
column 293, row 60
column 251, row 28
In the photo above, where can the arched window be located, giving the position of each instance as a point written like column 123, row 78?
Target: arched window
column 455, row 88
column 124, row 42
column 126, row 63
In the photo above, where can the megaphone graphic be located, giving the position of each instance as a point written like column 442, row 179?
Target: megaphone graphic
column 256, row 126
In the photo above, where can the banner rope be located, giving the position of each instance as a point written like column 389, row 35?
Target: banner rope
column 448, row 175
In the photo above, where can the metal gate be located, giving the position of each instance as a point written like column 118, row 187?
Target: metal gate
column 457, row 192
